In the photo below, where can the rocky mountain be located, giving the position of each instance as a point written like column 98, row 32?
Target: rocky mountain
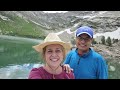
column 101, row 21
column 37, row 24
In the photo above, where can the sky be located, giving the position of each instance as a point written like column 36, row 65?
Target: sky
column 55, row 11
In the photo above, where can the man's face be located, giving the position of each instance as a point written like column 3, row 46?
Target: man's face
column 83, row 42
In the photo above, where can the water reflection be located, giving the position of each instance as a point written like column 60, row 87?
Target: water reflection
column 17, row 71
column 17, row 57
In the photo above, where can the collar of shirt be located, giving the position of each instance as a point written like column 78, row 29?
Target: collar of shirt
column 85, row 54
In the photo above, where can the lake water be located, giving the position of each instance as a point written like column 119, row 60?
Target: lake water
column 17, row 57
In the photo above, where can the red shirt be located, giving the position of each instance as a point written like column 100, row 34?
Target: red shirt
column 41, row 73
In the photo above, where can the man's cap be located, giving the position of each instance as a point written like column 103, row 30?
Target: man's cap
column 84, row 29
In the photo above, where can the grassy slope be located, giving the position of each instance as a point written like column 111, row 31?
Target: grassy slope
column 17, row 26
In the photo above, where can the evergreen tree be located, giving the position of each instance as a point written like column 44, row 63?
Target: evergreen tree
column 115, row 40
column 103, row 40
column 94, row 42
column 108, row 41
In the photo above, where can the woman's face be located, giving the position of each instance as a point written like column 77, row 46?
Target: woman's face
column 54, row 55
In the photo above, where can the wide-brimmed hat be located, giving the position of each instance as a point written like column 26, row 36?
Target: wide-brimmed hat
column 52, row 38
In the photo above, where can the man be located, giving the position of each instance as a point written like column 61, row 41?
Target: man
column 85, row 62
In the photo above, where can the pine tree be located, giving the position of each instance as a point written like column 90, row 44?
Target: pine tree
column 94, row 42
column 103, row 40
column 108, row 41
column 115, row 40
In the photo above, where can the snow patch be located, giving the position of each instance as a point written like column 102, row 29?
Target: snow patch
column 4, row 18
column 114, row 34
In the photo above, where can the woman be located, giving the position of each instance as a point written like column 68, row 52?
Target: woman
column 53, row 51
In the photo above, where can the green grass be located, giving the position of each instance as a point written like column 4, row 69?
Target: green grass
column 17, row 26
column 115, row 63
column 114, row 74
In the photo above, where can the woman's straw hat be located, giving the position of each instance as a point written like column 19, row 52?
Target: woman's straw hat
column 52, row 38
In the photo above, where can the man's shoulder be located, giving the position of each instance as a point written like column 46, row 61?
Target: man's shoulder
column 96, row 53
column 72, row 52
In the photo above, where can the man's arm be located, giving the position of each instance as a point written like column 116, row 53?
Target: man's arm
column 102, row 68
